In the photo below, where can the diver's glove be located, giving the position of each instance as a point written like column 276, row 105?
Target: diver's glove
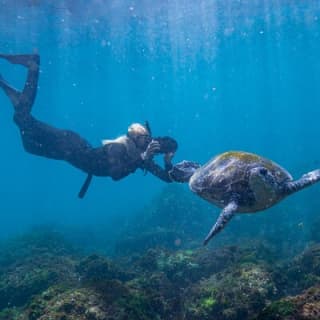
column 152, row 148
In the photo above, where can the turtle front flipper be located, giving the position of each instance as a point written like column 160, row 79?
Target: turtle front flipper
column 306, row 180
column 224, row 217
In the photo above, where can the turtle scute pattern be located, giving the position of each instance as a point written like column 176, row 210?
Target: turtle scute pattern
column 227, row 175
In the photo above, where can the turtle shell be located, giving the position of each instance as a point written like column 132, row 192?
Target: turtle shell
column 227, row 177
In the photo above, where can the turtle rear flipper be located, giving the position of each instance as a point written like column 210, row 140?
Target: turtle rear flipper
column 306, row 180
column 225, row 216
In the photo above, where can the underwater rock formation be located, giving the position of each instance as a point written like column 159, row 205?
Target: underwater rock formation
column 305, row 306
column 94, row 269
column 59, row 303
column 302, row 272
column 31, row 264
column 239, row 292
column 114, row 301
column 43, row 278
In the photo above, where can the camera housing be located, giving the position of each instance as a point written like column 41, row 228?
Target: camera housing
column 167, row 144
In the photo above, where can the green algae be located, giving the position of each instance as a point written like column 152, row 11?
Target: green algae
column 137, row 306
column 208, row 303
column 10, row 314
column 221, row 284
column 240, row 155
column 278, row 310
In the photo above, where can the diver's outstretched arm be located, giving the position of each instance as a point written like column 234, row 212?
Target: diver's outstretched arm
column 156, row 170
column 23, row 101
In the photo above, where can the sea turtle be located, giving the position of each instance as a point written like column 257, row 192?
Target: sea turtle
column 243, row 182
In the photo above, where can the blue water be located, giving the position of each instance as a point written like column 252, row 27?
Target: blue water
column 216, row 75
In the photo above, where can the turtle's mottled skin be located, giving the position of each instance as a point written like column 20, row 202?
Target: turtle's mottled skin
column 244, row 182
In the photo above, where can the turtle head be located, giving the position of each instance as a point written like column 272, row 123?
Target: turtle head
column 264, row 184
column 263, row 175
column 183, row 171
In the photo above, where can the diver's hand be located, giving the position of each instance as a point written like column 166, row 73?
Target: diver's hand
column 152, row 148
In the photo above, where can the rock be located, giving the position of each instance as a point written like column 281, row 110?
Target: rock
column 305, row 306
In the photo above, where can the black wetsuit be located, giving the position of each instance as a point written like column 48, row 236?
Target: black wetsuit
column 116, row 160
column 113, row 159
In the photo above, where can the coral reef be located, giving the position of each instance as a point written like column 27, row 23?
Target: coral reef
column 73, row 304
column 302, row 272
column 305, row 306
column 239, row 292
column 159, row 284
column 33, row 263
column 160, row 271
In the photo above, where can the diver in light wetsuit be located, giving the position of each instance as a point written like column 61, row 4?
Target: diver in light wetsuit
column 115, row 158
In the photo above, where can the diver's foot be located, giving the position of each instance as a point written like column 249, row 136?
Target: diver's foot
column 11, row 92
column 2, row 81
column 27, row 60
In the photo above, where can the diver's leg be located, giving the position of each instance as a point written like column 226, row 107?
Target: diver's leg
column 31, row 85
column 39, row 138
column 23, row 101
column 44, row 140
column 12, row 93
column 23, row 59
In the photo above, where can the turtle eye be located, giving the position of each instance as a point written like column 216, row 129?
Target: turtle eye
column 263, row 171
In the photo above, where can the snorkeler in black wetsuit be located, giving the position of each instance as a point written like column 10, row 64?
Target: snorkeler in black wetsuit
column 116, row 158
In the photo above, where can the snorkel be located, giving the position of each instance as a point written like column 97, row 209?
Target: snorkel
column 147, row 126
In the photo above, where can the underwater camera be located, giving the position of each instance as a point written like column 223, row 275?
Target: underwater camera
column 167, row 144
